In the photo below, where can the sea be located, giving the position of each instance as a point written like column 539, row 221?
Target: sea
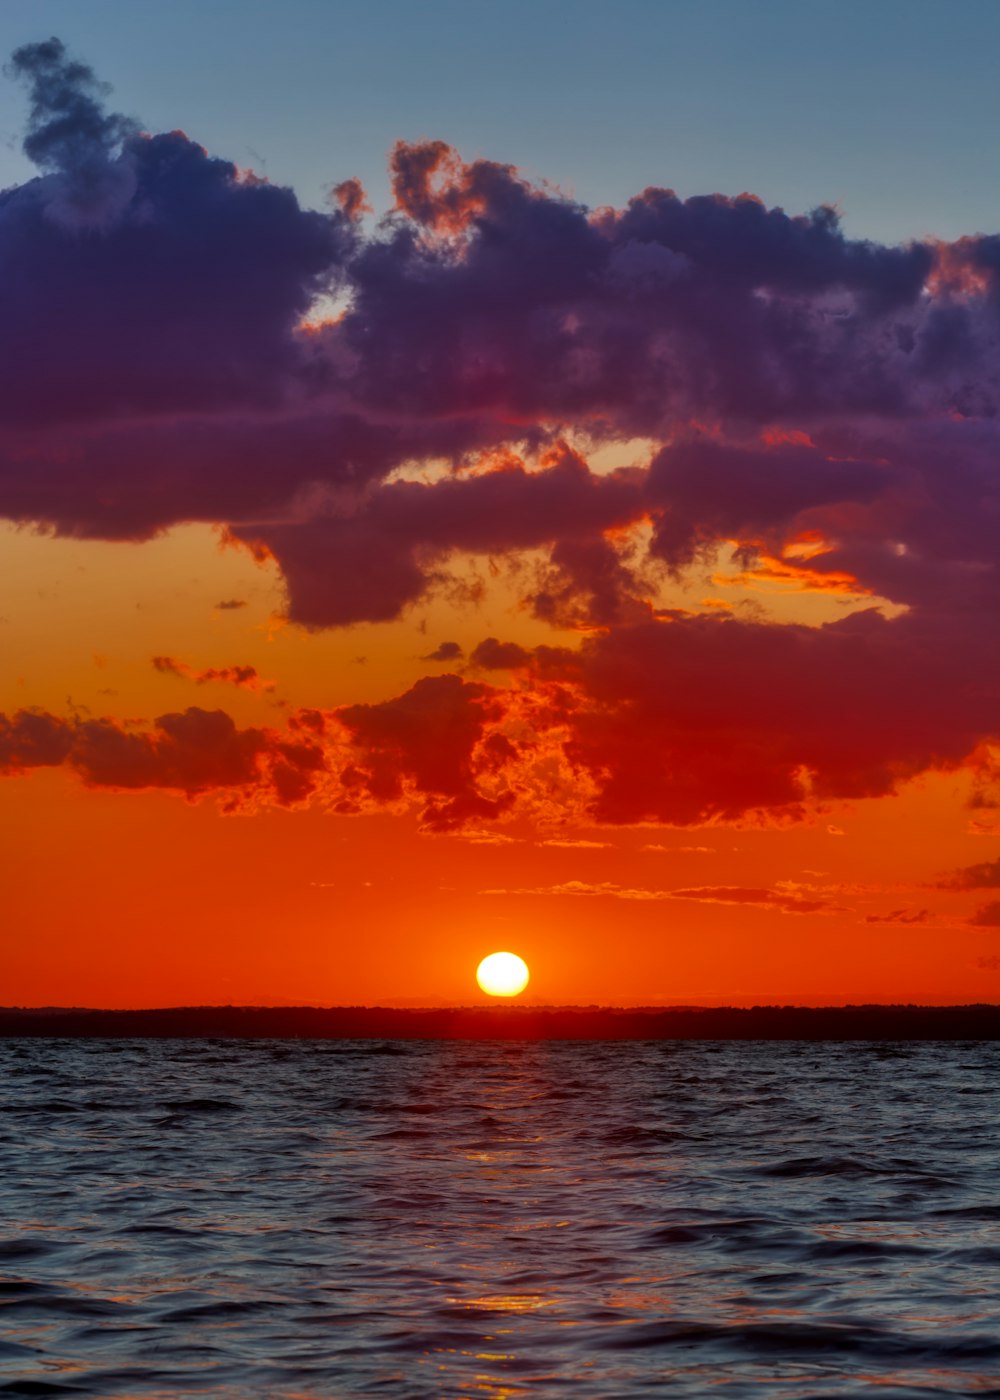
column 445, row 1219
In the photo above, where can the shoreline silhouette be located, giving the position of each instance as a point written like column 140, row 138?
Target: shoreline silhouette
column 980, row 1021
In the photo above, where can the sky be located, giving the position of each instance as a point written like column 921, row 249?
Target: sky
column 499, row 477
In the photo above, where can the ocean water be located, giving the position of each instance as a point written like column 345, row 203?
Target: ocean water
column 486, row 1219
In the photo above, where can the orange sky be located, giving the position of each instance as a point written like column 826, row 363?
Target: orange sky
column 143, row 898
column 617, row 585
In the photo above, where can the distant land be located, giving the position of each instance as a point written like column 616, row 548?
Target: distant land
column 977, row 1022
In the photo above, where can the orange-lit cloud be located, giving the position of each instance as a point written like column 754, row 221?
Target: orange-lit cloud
column 194, row 752
column 798, row 577
column 243, row 676
column 987, row 915
column 425, row 431
column 899, row 916
column 983, row 876
column 784, row 902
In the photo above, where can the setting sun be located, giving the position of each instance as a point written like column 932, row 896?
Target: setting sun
column 502, row 974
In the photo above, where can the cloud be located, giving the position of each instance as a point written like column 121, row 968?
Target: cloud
column 685, row 721
column 691, row 850
column 494, row 655
column 245, row 677
column 231, row 604
column 590, row 583
column 417, row 747
column 899, row 916
column 691, row 720
column 33, row 739
column 984, row 876
column 665, row 307
column 426, row 739
column 143, row 277
column 719, row 491
column 586, row 889
column 194, row 752
column 167, row 666
column 447, row 651
column 825, row 407
column 580, row 845
column 488, row 311
column 350, row 195
column 784, row 902
column 987, row 915
column 365, row 558
column 485, row 836
column 71, row 135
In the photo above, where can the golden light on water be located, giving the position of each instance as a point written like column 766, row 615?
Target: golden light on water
column 502, row 975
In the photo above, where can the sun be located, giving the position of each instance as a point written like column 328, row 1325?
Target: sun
column 502, row 975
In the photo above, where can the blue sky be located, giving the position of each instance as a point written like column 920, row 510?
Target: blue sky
column 889, row 109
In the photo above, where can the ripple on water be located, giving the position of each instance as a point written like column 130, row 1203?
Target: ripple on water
column 443, row 1219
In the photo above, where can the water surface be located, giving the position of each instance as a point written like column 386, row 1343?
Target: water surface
column 493, row 1219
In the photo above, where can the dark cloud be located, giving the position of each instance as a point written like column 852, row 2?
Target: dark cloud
column 33, row 739
column 682, row 720
column 426, row 737
column 899, row 916
column 244, row 676
column 712, row 491
column 184, row 294
column 823, row 405
column 694, row 719
column 494, row 655
column 167, row 666
column 590, row 583
column 340, row 571
column 529, row 306
column 214, row 467
column 788, row 902
column 984, row 876
column 383, row 548
column 987, row 915
column 71, row 135
column 231, row 604
column 485, row 312
column 447, row 651
column 194, row 752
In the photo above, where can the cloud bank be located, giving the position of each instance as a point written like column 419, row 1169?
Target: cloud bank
column 824, row 406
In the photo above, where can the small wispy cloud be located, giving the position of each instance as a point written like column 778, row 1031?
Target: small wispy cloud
column 899, row 916
column 447, row 651
column 580, row 845
column 244, row 677
column 481, row 837
column 685, row 850
column 784, row 901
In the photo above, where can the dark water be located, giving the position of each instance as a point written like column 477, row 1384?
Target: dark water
column 490, row 1219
